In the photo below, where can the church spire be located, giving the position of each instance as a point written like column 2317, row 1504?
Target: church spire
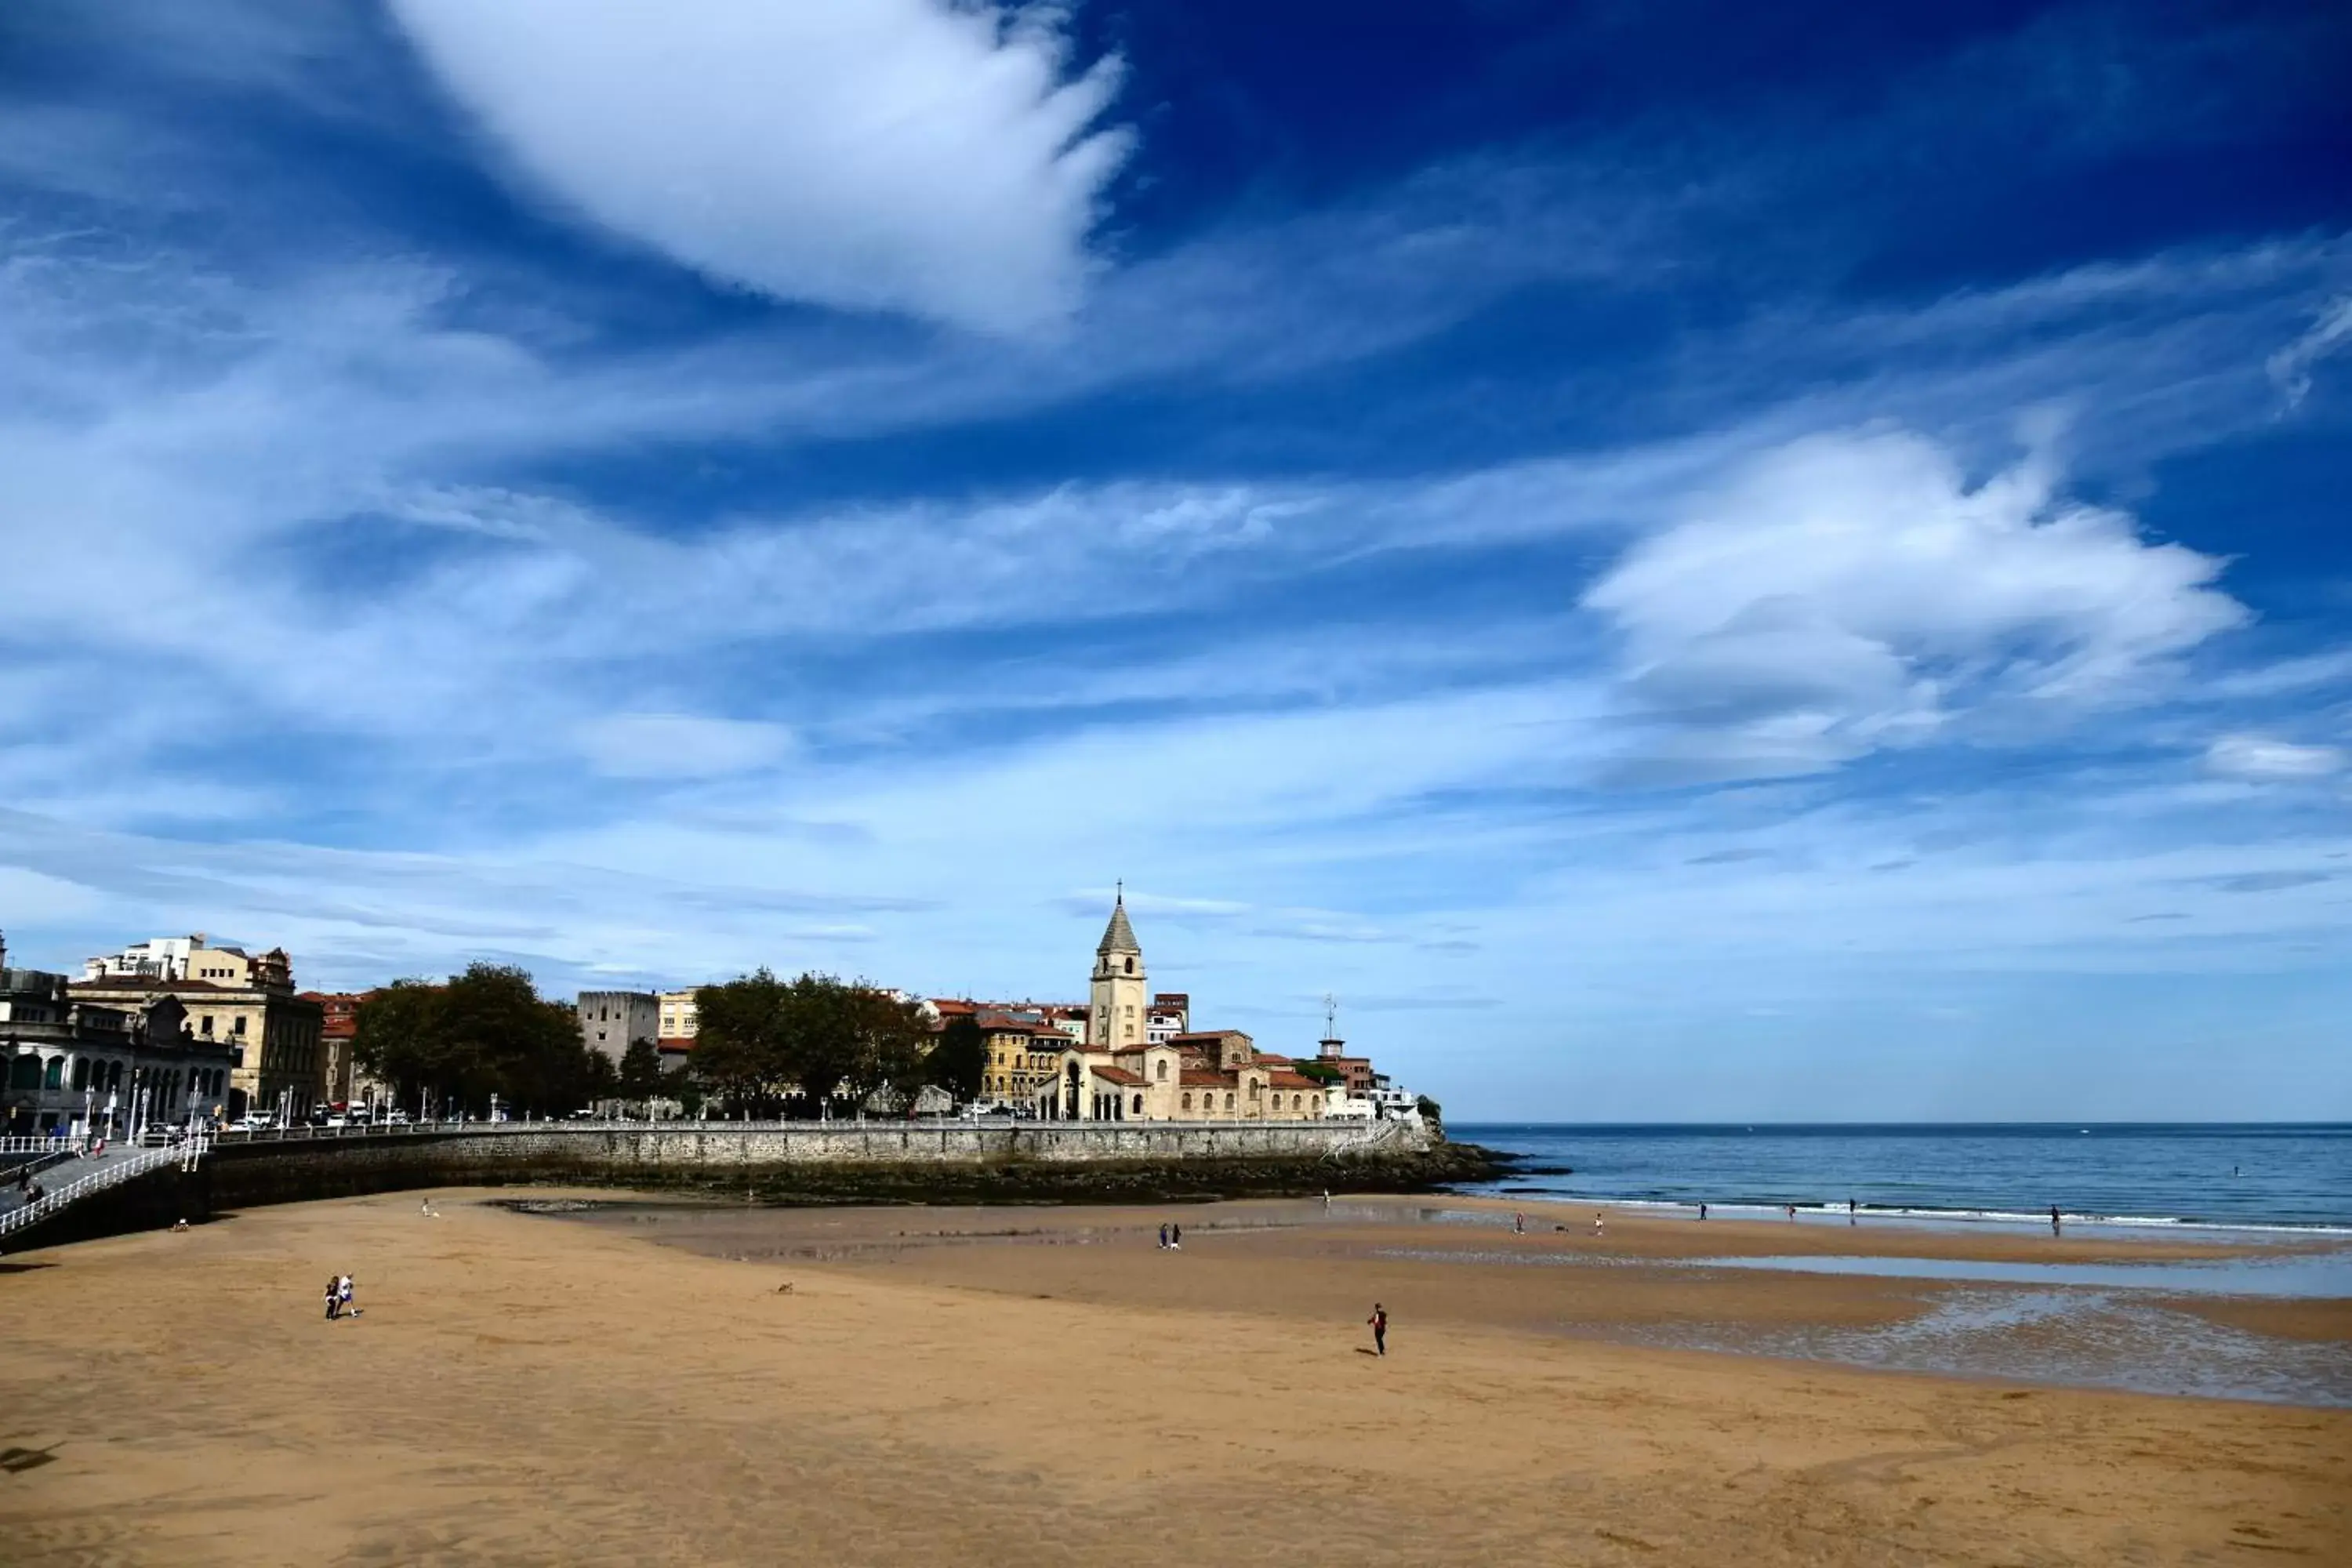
column 1118, row 936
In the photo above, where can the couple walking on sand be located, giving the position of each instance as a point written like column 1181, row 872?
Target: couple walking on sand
column 1171, row 1239
column 339, row 1298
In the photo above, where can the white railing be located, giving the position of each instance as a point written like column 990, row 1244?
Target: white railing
column 119, row 1168
column 37, row 1145
column 1373, row 1132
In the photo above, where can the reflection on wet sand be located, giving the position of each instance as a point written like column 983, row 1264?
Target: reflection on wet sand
column 2100, row 1312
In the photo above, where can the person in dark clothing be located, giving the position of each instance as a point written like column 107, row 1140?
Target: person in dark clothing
column 1380, row 1321
column 1163, row 1236
column 2054, row 1219
column 334, row 1297
column 1176, row 1238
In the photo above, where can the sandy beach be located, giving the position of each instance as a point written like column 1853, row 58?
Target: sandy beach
column 635, row 1383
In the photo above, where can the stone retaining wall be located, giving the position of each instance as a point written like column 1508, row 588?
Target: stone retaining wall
column 801, row 1162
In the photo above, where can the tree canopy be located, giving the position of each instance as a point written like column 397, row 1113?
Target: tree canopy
column 483, row 1033
column 767, row 1045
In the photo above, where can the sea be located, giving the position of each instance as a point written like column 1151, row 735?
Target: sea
column 2271, row 1176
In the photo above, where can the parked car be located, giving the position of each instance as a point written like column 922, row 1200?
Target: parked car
column 396, row 1117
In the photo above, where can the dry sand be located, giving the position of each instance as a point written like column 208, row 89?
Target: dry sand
column 529, row 1390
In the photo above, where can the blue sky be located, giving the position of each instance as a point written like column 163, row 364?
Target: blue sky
column 1685, row 561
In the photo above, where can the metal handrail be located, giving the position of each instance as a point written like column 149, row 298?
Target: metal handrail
column 44, row 1144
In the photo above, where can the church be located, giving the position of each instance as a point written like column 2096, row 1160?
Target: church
column 1137, row 1058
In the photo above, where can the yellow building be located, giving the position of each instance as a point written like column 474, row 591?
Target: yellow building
column 680, row 1016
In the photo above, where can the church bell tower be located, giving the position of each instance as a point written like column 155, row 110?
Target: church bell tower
column 1116, row 1019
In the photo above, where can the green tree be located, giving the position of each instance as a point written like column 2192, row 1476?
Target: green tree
column 484, row 1032
column 641, row 1070
column 894, row 1047
column 959, row 1057
column 740, row 1054
column 396, row 1039
column 765, row 1044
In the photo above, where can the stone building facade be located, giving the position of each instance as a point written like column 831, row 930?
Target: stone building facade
column 70, row 1066
column 248, row 1008
column 609, row 1020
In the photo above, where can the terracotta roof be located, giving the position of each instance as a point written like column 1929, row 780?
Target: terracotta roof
column 1171, row 998
column 1292, row 1080
column 1117, row 1075
column 1210, row 1076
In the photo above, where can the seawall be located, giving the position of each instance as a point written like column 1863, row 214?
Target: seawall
column 797, row 1164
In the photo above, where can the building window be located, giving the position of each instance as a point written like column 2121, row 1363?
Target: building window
column 1131, row 969
column 238, row 1028
column 56, row 1076
column 207, row 1027
column 1229, row 1100
column 81, row 1074
column 1188, row 1102
column 1139, row 1105
column 1163, row 1070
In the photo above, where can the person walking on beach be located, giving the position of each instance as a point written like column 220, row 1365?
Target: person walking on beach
column 1519, row 1224
column 1597, row 1230
column 1163, row 1236
column 1701, row 1210
column 2054, row 1219
column 1380, row 1321
column 334, row 1297
column 1792, row 1213
column 344, row 1296
column 1176, row 1238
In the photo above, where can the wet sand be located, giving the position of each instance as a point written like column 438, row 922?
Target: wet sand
column 536, row 1389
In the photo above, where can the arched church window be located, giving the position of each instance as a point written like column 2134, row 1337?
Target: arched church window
column 1188, row 1102
column 1139, row 1105
column 1229, row 1100
column 1131, row 969
column 56, row 1076
column 1163, row 1070
column 81, row 1074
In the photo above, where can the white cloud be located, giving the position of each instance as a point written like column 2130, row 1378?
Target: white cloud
column 890, row 154
column 1851, row 592
column 680, row 745
column 2255, row 757
column 2291, row 367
